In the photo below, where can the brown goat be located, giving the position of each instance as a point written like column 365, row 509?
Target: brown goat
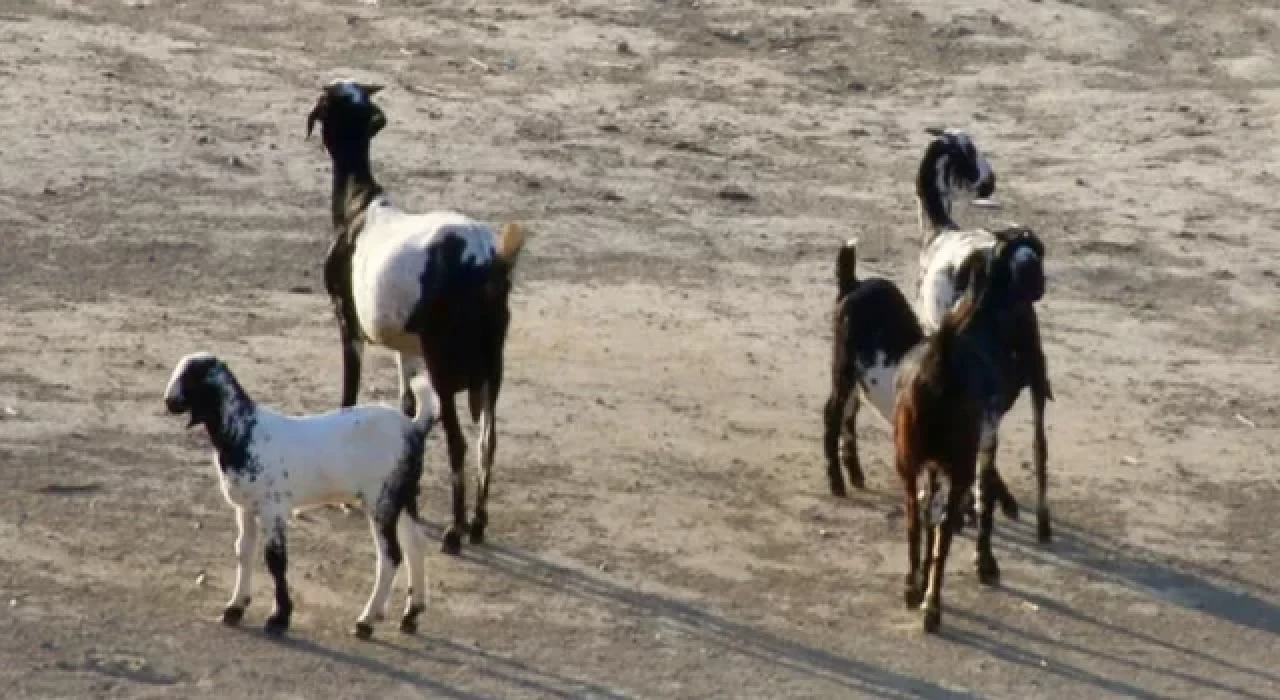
column 948, row 405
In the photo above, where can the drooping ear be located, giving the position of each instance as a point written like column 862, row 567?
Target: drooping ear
column 377, row 121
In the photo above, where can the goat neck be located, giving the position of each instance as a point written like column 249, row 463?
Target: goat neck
column 933, row 193
column 229, row 419
column 353, row 183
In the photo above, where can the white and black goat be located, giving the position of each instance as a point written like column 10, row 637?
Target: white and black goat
column 432, row 287
column 269, row 463
column 875, row 328
column 952, row 160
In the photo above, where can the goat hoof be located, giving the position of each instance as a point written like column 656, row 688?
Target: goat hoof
column 409, row 623
column 476, row 535
column 838, row 490
column 452, row 542
column 856, row 479
column 911, row 595
column 932, row 619
column 232, row 615
column 988, row 571
column 276, row 625
column 1044, row 531
column 1009, row 507
column 363, row 630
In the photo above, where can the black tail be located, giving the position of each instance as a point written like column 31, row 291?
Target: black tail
column 847, row 267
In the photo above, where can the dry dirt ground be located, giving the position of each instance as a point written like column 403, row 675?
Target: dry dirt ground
column 661, row 523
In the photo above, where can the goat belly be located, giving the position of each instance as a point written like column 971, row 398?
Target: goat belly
column 408, row 262
column 387, row 286
column 878, row 380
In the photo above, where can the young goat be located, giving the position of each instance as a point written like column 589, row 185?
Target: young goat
column 952, row 160
column 950, row 397
column 268, row 463
column 875, row 328
column 432, row 287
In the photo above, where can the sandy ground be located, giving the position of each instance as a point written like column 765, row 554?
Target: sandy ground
column 660, row 522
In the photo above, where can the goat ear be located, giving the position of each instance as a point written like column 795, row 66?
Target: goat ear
column 376, row 122
column 370, row 89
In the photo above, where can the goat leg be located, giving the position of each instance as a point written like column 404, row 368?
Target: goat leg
column 832, row 418
column 1044, row 530
column 945, row 530
column 488, row 448
column 337, row 282
column 277, row 560
column 988, row 568
column 457, row 455
column 911, row 591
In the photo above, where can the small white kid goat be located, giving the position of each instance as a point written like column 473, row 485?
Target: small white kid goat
column 269, row 463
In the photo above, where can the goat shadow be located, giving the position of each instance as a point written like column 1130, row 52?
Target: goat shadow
column 369, row 665
column 758, row 645
column 510, row 673
column 1189, row 586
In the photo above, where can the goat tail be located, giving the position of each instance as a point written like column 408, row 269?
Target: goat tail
column 847, row 267
column 511, row 237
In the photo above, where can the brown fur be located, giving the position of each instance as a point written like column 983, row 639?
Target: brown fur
column 937, row 433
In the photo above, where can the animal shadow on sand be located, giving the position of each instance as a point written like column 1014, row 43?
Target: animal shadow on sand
column 1180, row 583
column 758, row 645
column 492, row 669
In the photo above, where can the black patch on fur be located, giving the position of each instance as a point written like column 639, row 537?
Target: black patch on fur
column 208, row 387
column 277, row 562
column 877, row 318
column 399, row 494
column 461, row 315
column 447, row 272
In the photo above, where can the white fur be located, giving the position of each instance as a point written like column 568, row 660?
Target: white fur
column 336, row 457
column 939, row 262
column 388, row 262
column 349, row 89
column 879, row 386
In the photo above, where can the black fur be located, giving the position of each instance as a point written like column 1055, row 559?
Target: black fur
column 277, row 561
column 874, row 322
column 869, row 322
column 461, row 316
column 960, row 169
column 207, row 390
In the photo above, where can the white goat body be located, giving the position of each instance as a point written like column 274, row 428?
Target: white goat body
column 388, row 265
column 270, row 463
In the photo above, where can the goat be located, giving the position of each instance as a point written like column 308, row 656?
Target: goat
column 268, row 463
column 432, row 287
column 950, row 396
column 952, row 160
column 875, row 328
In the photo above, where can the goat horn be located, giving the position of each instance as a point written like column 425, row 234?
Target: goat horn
column 316, row 115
